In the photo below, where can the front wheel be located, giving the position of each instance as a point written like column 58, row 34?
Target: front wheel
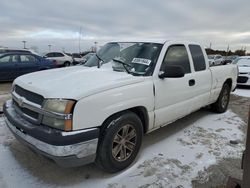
column 221, row 104
column 120, row 142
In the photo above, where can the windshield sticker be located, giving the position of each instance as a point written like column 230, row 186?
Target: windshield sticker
column 141, row 61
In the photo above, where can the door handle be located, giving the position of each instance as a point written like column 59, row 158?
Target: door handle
column 191, row 82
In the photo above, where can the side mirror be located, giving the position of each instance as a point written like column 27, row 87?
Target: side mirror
column 172, row 71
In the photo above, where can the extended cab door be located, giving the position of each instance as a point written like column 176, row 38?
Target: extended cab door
column 176, row 97
column 202, row 76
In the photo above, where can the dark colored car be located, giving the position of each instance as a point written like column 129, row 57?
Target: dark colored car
column 16, row 64
column 77, row 58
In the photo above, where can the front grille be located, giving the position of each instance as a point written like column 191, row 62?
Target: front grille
column 30, row 96
column 242, row 79
column 26, row 111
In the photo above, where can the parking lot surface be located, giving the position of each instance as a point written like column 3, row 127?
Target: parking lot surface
column 194, row 151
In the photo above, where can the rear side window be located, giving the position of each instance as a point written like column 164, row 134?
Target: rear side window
column 177, row 55
column 58, row 55
column 28, row 59
column 198, row 57
column 49, row 55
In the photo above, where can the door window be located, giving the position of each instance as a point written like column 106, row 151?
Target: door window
column 177, row 55
column 9, row 59
column 5, row 59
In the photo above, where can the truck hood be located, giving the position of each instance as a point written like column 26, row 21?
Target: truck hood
column 244, row 69
column 75, row 82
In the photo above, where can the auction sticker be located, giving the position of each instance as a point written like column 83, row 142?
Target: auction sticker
column 141, row 61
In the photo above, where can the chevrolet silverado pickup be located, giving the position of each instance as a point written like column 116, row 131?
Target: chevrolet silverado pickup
column 98, row 112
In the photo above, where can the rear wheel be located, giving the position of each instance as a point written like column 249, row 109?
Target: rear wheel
column 120, row 142
column 221, row 104
column 66, row 64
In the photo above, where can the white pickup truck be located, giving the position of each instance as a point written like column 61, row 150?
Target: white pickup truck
column 99, row 112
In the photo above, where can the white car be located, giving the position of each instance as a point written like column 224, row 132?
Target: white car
column 215, row 59
column 244, row 70
column 77, row 58
column 62, row 59
column 99, row 112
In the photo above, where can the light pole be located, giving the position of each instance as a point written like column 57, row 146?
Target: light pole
column 80, row 34
column 96, row 46
column 49, row 47
column 24, row 44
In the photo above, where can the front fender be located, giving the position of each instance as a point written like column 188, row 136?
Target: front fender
column 93, row 110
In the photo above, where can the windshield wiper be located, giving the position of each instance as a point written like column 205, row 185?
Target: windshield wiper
column 124, row 64
column 99, row 60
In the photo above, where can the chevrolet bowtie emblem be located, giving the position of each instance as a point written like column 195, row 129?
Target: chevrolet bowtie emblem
column 21, row 101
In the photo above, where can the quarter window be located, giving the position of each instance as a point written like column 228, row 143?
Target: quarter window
column 198, row 57
column 177, row 55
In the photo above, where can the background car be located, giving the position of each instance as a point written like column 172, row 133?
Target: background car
column 62, row 59
column 215, row 59
column 15, row 64
column 243, row 63
column 87, row 56
column 230, row 59
column 77, row 58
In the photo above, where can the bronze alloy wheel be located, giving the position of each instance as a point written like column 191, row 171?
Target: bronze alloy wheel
column 124, row 143
column 120, row 141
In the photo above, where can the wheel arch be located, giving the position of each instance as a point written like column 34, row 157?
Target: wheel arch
column 229, row 82
column 140, row 111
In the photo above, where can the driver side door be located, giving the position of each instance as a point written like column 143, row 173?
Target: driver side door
column 174, row 97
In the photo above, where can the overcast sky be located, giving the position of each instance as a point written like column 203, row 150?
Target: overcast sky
column 58, row 22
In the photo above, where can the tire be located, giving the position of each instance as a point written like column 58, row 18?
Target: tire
column 115, row 152
column 66, row 64
column 220, row 106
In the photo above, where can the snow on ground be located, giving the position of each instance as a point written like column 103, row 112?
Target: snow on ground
column 170, row 157
column 244, row 92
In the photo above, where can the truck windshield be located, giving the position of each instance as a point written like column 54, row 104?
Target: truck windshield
column 133, row 57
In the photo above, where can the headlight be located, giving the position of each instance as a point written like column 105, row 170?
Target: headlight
column 59, row 105
column 60, row 108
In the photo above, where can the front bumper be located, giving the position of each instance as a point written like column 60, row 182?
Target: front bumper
column 67, row 149
column 243, row 79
